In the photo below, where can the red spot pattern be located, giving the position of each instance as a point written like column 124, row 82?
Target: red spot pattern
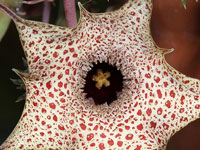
column 52, row 105
column 61, row 127
column 168, row 104
column 149, row 111
column 111, row 142
column 48, row 84
column 157, row 100
column 138, row 148
column 90, row 136
column 83, row 126
column 120, row 143
column 172, row 94
column 140, row 127
column 55, row 118
column 129, row 137
column 159, row 93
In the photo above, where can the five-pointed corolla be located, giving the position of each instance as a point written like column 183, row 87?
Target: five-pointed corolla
column 156, row 100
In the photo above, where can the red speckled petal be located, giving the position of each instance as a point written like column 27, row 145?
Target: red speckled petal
column 155, row 103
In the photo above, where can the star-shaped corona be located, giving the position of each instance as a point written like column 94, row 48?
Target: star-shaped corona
column 156, row 101
column 101, row 79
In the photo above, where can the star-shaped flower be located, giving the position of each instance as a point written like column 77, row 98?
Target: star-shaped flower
column 156, row 101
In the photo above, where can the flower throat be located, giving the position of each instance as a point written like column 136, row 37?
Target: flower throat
column 103, row 83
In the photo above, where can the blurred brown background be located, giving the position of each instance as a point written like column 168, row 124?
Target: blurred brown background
column 172, row 26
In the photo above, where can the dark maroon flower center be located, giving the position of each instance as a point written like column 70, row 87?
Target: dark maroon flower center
column 103, row 83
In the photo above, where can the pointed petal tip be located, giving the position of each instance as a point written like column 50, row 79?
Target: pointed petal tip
column 167, row 51
column 82, row 9
column 171, row 50
column 79, row 4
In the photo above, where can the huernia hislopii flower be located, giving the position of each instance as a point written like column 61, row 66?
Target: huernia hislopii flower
column 154, row 103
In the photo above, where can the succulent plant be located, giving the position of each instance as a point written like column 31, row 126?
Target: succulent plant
column 62, row 111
